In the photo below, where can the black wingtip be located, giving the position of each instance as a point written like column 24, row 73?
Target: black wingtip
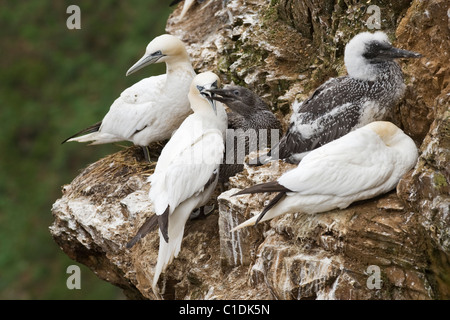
column 149, row 225
column 163, row 222
column 133, row 241
column 94, row 128
column 272, row 203
column 272, row 186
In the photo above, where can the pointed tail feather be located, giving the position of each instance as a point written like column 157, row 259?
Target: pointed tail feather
column 91, row 129
column 249, row 222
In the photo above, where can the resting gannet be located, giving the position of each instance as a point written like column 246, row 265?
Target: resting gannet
column 187, row 170
column 154, row 107
column 364, row 163
column 373, row 86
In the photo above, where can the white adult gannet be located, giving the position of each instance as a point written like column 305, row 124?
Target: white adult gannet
column 154, row 107
column 360, row 165
column 188, row 168
column 373, row 86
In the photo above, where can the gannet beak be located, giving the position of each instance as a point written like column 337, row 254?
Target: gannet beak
column 210, row 97
column 222, row 95
column 394, row 53
column 146, row 60
column 207, row 92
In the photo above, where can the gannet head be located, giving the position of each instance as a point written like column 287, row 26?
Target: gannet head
column 366, row 52
column 200, row 89
column 387, row 131
column 237, row 98
column 164, row 48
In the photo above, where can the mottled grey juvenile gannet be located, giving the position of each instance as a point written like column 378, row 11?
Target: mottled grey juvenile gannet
column 364, row 163
column 154, row 107
column 250, row 121
column 187, row 170
column 373, row 86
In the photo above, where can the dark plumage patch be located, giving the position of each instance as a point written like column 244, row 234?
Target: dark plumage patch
column 337, row 107
column 91, row 129
column 272, row 186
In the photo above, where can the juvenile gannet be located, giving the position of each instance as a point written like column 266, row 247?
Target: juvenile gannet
column 373, row 86
column 154, row 107
column 360, row 165
column 188, row 168
column 250, row 121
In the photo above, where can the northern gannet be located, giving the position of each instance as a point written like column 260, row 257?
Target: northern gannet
column 364, row 163
column 250, row 125
column 373, row 86
column 154, row 107
column 187, row 170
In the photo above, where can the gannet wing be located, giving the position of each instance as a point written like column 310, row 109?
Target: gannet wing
column 333, row 110
column 355, row 163
column 187, row 171
column 131, row 112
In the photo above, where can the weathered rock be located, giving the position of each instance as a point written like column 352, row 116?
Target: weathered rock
column 283, row 50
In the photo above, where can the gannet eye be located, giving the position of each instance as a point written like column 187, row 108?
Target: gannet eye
column 236, row 92
column 157, row 53
column 200, row 88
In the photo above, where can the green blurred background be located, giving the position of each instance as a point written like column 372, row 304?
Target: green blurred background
column 53, row 83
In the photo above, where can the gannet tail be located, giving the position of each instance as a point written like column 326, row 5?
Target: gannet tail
column 88, row 130
column 257, row 218
column 170, row 250
column 97, row 138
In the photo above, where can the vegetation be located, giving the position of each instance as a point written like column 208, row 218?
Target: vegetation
column 55, row 82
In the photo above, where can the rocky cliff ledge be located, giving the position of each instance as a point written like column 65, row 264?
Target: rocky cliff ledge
column 396, row 246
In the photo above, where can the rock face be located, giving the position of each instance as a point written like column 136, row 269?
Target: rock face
column 396, row 246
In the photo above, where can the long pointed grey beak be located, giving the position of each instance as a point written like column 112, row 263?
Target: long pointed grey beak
column 222, row 95
column 146, row 60
column 394, row 53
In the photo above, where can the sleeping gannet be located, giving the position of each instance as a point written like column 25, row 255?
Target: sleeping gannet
column 154, row 107
column 250, row 121
column 373, row 86
column 187, row 170
column 364, row 163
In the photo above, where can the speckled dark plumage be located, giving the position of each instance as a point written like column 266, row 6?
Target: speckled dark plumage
column 343, row 104
column 247, row 112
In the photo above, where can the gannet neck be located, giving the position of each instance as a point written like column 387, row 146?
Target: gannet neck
column 200, row 105
column 179, row 63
